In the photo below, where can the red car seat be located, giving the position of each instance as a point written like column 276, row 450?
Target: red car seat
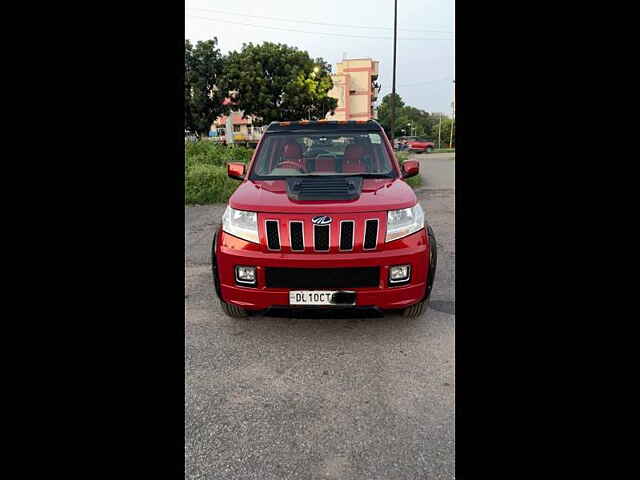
column 353, row 159
column 292, row 155
column 292, row 151
column 325, row 163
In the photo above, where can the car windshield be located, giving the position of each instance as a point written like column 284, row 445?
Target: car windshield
column 314, row 154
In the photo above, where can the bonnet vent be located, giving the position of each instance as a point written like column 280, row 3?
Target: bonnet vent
column 324, row 188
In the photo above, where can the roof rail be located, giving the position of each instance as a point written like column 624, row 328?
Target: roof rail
column 323, row 123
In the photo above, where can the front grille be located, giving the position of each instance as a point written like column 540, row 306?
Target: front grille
column 273, row 235
column 357, row 277
column 321, row 237
column 343, row 234
column 371, row 235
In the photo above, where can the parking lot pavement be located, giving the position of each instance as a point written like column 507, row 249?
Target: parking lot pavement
column 334, row 398
column 437, row 170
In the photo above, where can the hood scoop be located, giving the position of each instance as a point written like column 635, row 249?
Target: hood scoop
column 324, row 188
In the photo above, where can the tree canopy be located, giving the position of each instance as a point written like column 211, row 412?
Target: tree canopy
column 276, row 82
column 203, row 69
column 411, row 121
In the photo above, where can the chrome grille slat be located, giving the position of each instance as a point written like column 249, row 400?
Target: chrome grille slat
column 321, row 238
column 347, row 228
column 272, row 227
column 370, row 240
column 296, row 236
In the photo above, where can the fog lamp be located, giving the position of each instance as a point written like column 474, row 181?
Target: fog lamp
column 246, row 275
column 399, row 273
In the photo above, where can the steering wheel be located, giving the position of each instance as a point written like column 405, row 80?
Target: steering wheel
column 292, row 164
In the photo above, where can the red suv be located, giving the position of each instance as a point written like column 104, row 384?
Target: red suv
column 421, row 145
column 323, row 220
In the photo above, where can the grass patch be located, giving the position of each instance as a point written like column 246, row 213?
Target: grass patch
column 444, row 150
column 414, row 182
column 206, row 179
column 402, row 157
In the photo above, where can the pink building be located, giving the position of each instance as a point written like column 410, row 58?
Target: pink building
column 243, row 128
column 355, row 88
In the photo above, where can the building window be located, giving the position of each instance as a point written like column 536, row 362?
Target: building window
column 236, row 128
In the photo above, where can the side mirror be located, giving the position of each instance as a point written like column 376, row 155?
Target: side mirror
column 236, row 170
column 410, row 168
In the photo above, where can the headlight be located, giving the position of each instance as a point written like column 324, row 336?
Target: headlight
column 241, row 224
column 401, row 223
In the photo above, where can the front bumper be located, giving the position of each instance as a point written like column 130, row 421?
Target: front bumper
column 230, row 251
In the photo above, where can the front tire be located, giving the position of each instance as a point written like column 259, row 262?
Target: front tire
column 232, row 310
column 416, row 310
column 429, row 149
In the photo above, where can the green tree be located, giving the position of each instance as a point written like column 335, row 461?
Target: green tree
column 384, row 114
column 276, row 82
column 203, row 68
column 421, row 121
column 188, row 52
column 447, row 123
column 423, row 124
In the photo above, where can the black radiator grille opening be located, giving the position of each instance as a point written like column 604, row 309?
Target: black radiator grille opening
column 356, row 277
column 371, row 234
column 273, row 237
column 346, row 235
column 321, row 237
column 297, row 239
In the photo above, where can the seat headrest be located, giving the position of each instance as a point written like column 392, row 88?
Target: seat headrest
column 292, row 150
column 354, row 152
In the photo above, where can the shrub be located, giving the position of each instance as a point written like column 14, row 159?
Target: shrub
column 206, row 152
column 402, row 156
column 208, row 184
column 206, row 179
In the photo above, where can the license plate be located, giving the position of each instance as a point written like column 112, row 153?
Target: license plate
column 313, row 297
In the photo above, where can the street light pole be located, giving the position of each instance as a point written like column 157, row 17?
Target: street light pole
column 439, row 129
column 393, row 89
column 453, row 114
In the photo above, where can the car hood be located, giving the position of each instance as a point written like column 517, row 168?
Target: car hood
column 271, row 196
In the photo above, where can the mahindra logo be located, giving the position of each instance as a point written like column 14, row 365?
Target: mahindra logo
column 321, row 220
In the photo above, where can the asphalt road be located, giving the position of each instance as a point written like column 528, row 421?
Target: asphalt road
column 335, row 398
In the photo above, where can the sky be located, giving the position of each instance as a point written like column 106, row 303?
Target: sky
column 333, row 30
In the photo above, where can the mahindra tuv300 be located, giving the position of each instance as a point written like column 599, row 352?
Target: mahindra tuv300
column 323, row 219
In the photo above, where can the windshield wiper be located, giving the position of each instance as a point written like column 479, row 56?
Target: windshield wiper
column 373, row 175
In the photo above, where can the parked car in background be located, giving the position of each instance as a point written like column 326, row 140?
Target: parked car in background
column 421, row 145
column 402, row 143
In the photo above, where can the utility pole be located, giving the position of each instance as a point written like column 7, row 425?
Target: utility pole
column 453, row 113
column 393, row 89
column 453, row 116
column 439, row 129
